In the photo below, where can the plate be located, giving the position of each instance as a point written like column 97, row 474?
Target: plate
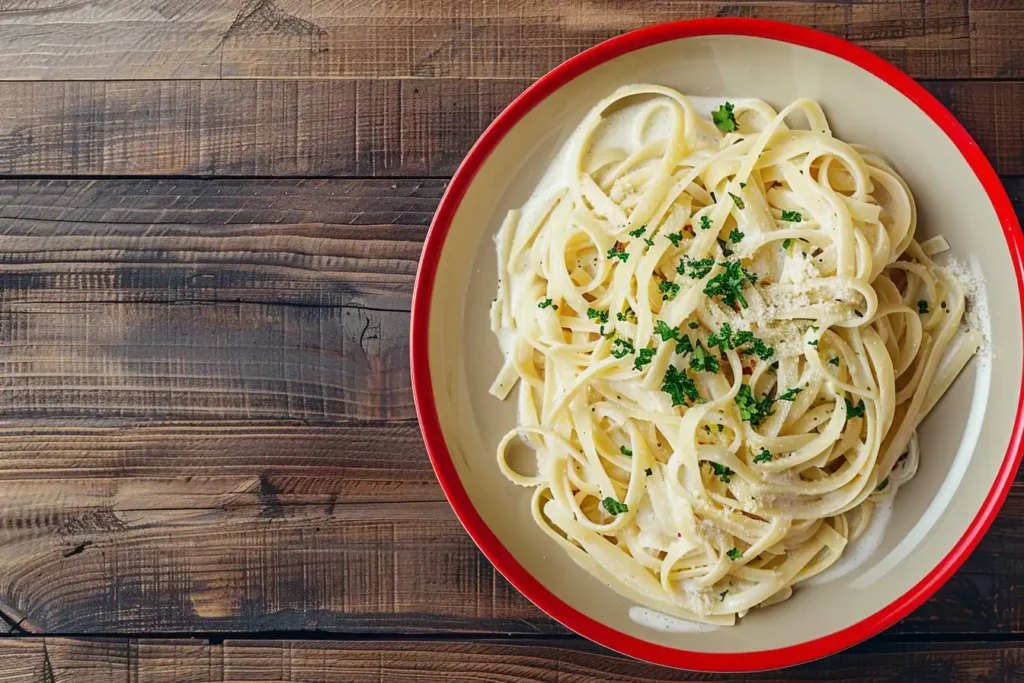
column 971, row 441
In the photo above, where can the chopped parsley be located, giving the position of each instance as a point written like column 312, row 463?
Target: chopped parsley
column 735, row 554
column 698, row 269
column 548, row 303
column 683, row 344
column 721, row 471
column 726, row 251
column 736, row 236
column 613, row 506
column 834, row 360
column 786, row 243
column 791, row 216
column 643, row 357
column 724, row 119
column 648, row 242
column 790, row 394
column 728, row 285
column 764, row 456
column 752, row 410
column 703, row 361
column 618, row 252
column 693, row 325
column 705, row 223
column 725, row 339
column 622, row 347
column 853, row 411
column 742, row 185
column 738, row 201
column 668, row 290
column 638, row 232
column 625, row 451
column 680, row 387
column 626, row 316
column 858, row 313
column 813, row 342
column 600, row 316
column 885, row 482
column 675, row 238
column 723, row 594
column 648, row 471
column 922, row 306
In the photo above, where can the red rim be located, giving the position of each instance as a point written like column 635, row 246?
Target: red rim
column 427, row 411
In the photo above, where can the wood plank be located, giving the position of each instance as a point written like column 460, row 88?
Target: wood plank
column 162, row 39
column 342, row 128
column 52, row 660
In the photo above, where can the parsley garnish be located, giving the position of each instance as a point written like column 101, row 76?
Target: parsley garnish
column 613, row 506
column 922, row 306
column 791, row 216
column 724, row 119
column 639, row 231
column 698, row 269
column 668, row 290
column 702, row 360
column 762, row 350
column 705, row 223
column 621, row 347
column 736, row 236
column 834, row 360
column 721, row 471
column 885, row 482
column 547, row 303
column 764, row 456
column 738, row 201
column 666, row 333
column 790, row 394
column 858, row 313
column 627, row 316
column 679, row 386
column 735, row 554
column 648, row 242
column 752, row 410
column 648, row 471
column 853, row 411
column 693, row 325
column 723, row 594
column 813, row 342
column 600, row 316
column 729, row 284
column 786, row 242
column 684, row 346
column 643, row 357
column 723, row 339
column 625, row 451
column 618, row 252
column 675, row 238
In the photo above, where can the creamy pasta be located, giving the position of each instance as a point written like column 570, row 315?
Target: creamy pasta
column 724, row 336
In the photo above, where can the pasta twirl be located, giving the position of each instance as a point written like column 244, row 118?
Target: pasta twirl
column 724, row 337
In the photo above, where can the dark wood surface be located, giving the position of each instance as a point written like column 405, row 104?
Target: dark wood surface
column 210, row 220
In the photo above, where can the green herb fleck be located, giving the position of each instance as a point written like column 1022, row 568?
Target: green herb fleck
column 621, row 347
column 639, row 231
column 668, row 290
column 735, row 554
column 627, row 316
column 728, row 285
column 721, row 471
column 764, row 456
column 791, row 216
column 648, row 471
column 813, row 342
column 648, row 242
column 885, row 482
column 724, row 119
column 786, row 243
column 613, row 506
column 679, row 386
column 626, row 451
column 618, row 252
column 834, row 360
column 548, row 303
column 790, row 394
column 922, row 306
column 738, row 201
column 675, row 238
column 752, row 410
column 600, row 316
column 943, row 304
column 693, row 325
column 695, row 269
column 853, row 411
column 643, row 357
column 736, row 236
column 705, row 223
column 703, row 361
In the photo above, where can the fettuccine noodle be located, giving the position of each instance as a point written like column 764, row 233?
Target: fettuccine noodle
column 724, row 336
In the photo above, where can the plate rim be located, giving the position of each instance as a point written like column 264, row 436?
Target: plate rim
column 426, row 409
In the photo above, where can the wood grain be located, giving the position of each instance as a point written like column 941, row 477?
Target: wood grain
column 164, row 39
column 342, row 128
column 54, row 660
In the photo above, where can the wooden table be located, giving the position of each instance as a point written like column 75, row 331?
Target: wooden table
column 211, row 214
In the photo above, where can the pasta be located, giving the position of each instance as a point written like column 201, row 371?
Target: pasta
column 724, row 336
